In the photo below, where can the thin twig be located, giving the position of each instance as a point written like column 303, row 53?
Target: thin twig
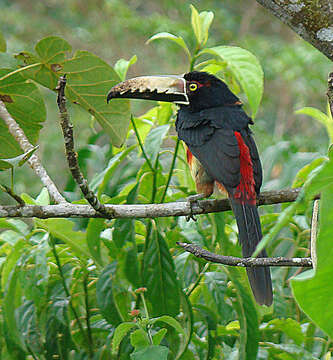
column 33, row 161
column 11, row 193
column 173, row 163
column 181, row 208
column 71, row 155
column 313, row 236
column 330, row 92
column 244, row 262
column 63, row 280
column 141, row 145
column 86, row 300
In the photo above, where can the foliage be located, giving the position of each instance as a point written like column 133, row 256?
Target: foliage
column 121, row 289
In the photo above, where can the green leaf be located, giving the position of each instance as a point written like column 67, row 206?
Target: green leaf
column 151, row 352
column 25, row 104
column 44, row 68
column 12, row 292
column 154, row 141
column 18, row 160
column 101, row 180
column 121, row 331
column 139, row 338
column 246, row 68
column 159, row 276
column 121, row 66
column 177, row 39
column 3, row 46
column 303, row 174
column 89, row 80
column 311, row 290
column 247, row 315
column 105, row 296
column 123, row 231
column 63, row 230
column 93, row 238
column 27, row 325
column 158, row 337
column 170, row 321
column 319, row 116
column 43, row 197
column 200, row 24
column 290, row 327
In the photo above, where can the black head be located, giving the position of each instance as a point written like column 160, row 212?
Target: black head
column 206, row 91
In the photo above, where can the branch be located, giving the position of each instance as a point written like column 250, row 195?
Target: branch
column 244, row 262
column 33, row 161
column 71, row 155
column 312, row 20
column 330, row 92
column 182, row 208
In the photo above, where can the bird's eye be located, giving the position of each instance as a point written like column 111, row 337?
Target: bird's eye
column 193, row 87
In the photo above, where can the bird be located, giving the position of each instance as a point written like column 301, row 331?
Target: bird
column 220, row 151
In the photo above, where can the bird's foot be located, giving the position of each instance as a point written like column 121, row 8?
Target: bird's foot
column 193, row 199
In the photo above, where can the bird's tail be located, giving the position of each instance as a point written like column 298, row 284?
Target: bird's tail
column 250, row 234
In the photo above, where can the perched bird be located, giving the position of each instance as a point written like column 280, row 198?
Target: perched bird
column 220, row 150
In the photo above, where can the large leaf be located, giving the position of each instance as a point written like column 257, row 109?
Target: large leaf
column 25, row 104
column 151, row 352
column 104, row 293
column 43, row 66
column 159, row 276
column 200, row 24
column 89, row 80
column 63, row 230
column 247, row 315
column 177, row 39
column 319, row 116
column 310, row 288
column 246, row 68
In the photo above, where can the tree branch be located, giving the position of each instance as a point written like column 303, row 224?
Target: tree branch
column 330, row 92
column 312, row 20
column 182, row 208
column 33, row 161
column 71, row 155
column 244, row 262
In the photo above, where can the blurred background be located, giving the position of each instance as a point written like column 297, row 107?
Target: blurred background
column 295, row 72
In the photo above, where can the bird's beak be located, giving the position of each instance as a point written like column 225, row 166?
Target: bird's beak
column 168, row 88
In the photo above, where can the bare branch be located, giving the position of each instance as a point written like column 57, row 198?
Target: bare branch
column 71, row 155
column 330, row 92
column 33, row 161
column 244, row 262
column 141, row 210
column 313, row 237
column 312, row 20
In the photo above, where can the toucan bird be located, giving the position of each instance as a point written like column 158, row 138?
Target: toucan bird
column 221, row 151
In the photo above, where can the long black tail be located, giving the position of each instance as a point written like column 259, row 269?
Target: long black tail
column 250, row 234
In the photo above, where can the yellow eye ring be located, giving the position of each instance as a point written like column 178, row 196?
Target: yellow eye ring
column 193, row 87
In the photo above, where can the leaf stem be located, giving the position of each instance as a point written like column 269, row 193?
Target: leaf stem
column 197, row 281
column 63, row 280
column 172, row 167
column 141, row 145
column 147, row 317
column 86, row 301
column 153, row 195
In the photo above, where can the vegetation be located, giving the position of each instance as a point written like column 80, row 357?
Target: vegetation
column 123, row 289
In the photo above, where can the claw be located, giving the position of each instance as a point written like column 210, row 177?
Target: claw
column 193, row 199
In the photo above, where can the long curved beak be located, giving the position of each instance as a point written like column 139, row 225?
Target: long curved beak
column 169, row 88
